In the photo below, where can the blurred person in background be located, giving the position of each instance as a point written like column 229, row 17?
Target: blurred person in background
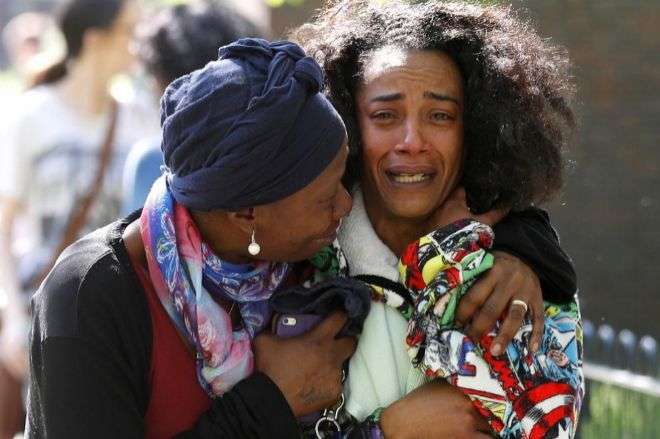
column 25, row 40
column 62, row 159
column 179, row 40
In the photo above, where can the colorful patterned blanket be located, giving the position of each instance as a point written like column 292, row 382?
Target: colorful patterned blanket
column 522, row 395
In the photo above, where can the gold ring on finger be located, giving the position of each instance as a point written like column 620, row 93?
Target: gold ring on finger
column 520, row 303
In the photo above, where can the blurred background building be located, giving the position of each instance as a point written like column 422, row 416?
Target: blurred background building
column 608, row 213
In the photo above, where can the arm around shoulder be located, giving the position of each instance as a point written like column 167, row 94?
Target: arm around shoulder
column 529, row 235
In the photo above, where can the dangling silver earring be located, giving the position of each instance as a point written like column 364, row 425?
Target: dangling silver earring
column 254, row 249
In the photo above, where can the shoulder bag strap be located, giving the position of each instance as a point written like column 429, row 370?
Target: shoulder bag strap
column 82, row 206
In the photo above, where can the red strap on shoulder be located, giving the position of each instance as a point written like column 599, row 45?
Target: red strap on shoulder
column 177, row 400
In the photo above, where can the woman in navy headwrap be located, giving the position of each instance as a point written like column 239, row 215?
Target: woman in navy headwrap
column 145, row 327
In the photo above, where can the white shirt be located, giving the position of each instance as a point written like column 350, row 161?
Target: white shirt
column 380, row 371
column 50, row 155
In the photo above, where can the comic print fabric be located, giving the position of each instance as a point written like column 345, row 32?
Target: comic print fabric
column 522, row 395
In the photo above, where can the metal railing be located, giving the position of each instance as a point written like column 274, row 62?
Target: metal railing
column 623, row 385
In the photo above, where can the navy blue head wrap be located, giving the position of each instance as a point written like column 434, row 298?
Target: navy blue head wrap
column 248, row 129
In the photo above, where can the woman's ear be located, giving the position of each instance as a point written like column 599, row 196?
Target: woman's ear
column 244, row 219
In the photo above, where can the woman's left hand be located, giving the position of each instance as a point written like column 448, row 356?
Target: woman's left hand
column 492, row 297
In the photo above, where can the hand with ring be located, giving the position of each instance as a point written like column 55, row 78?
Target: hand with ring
column 510, row 290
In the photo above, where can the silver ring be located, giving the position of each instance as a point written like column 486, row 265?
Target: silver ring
column 520, row 303
column 330, row 421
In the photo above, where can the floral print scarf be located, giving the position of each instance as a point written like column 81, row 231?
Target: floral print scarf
column 188, row 277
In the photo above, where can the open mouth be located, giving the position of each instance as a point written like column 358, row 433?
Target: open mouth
column 405, row 178
column 410, row 177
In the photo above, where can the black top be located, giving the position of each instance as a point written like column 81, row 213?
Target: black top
column 529, row 235
column 91, row 342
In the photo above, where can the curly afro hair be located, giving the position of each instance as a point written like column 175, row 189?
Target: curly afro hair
column 518, row 91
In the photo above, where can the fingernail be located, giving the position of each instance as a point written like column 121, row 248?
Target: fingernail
column 535, row 347
column 496, row 349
